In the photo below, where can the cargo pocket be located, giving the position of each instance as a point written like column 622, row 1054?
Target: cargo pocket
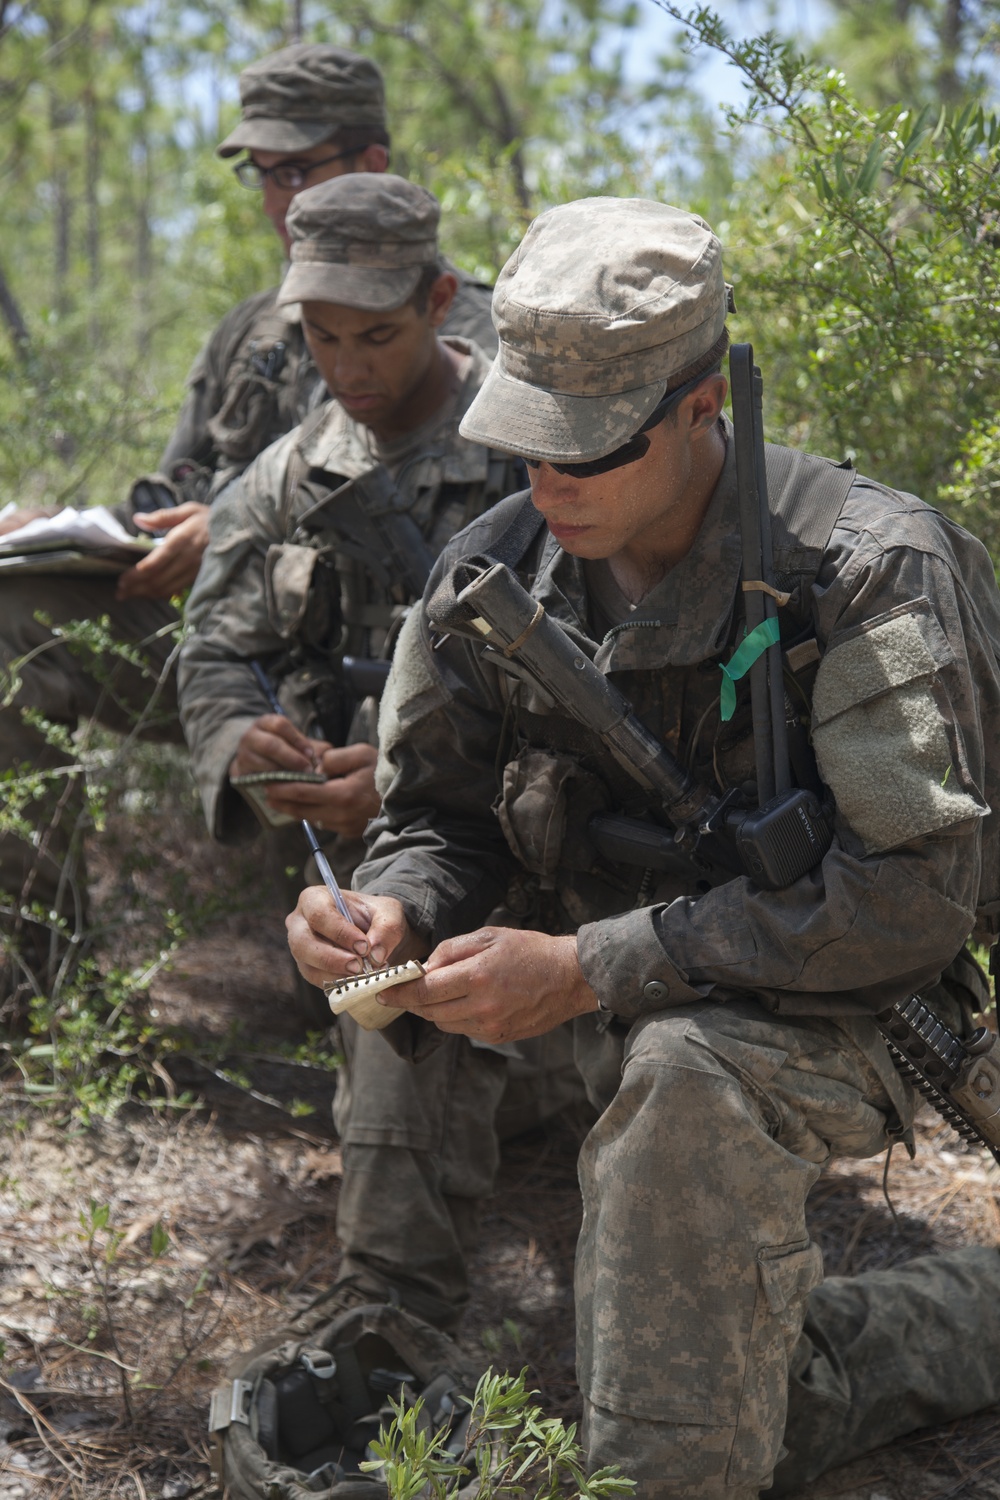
column 288, row 571
column 886, row 740
column 532, row 807
column 786, row 1276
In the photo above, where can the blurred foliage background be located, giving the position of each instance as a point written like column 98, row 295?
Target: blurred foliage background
column 853, row 182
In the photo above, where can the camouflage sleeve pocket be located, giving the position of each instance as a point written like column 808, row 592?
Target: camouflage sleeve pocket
column 288, row 572
column 886, row 738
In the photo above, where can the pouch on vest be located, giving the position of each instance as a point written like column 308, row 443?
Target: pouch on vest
column 544, row 808
column 296, row 1415
column 249, row 417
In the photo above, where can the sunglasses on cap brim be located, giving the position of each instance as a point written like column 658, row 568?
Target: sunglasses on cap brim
column 637, row 446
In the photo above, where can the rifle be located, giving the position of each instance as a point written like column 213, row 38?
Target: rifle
column 776, row 842
column 365, row 676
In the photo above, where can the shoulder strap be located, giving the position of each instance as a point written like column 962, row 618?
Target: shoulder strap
column 806, row 496
column 297, row 467
column 523, row 523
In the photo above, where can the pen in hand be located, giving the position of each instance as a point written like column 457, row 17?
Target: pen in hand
column 322, row 863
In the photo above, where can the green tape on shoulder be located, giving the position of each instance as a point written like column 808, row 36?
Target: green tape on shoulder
column 750, row 648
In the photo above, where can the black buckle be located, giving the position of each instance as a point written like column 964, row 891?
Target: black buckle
column 268, row 365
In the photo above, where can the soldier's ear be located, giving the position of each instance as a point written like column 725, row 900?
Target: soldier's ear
column 440, row 297
column 374, row 158
column 702, row 408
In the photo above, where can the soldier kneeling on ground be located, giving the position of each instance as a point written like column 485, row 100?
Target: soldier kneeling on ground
column 316, row 553
column 726, row 1031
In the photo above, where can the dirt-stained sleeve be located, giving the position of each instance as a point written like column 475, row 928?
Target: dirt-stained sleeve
column 228, row 625
column 899, row 740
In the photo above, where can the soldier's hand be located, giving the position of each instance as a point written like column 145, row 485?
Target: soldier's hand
column 174, row 565
column 19, row 518
column 499, row 984
column 345, row 803
column 326, row 948
column 272, row 743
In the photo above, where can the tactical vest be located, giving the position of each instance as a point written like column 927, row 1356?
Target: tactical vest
column 269, row 382
column 807, row 495
column 357, row 557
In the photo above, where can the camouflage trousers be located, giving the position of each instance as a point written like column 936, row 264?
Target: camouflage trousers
column 66, row 688
column 420, row 1145
column 706, row 1338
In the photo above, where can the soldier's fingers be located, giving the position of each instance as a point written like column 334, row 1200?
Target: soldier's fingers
column 19, row 518
column 326, row 926
column 462, row 981
column 143, row 581
column 348, row 798
column 334, row 805
column 169, row 517
column 303, row 798
column 269, row 753
column 126, row 581
column 276, row 742
column 175, row 575
column 155, row 577
column 463, row 1015
column 346, row 758
column 453, row 950
column 318, row 959
column 277, row 724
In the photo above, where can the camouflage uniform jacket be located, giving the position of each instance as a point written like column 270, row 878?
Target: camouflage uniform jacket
column 254, row 381
column 896, row 610
column 289, row 582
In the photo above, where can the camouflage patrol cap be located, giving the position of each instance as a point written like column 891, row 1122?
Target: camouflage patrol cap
column 361, row 240
column 303, row 95
column 602, row 303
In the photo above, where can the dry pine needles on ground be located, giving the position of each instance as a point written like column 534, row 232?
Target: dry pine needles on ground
column 137, row 1254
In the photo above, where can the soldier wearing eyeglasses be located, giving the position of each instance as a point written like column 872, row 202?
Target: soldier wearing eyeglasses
column 309, row 113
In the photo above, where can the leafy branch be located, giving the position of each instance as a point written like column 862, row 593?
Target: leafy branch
column 510, row 1444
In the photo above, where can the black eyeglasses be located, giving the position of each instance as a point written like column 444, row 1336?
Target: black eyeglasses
column 635, row 448
column 290, row 174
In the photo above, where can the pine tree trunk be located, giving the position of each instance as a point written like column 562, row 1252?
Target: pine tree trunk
column 144, row 199
column 12, row 316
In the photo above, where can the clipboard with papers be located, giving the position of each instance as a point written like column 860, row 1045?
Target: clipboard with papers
column 90, row 542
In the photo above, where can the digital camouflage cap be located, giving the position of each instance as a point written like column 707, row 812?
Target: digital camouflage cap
column 303, row 95
column 601, row 304
column 362, row 240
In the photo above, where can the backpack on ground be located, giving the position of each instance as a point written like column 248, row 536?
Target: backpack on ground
column 298, row 1413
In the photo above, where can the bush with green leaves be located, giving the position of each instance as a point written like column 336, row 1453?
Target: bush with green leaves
column 863, row 244
column 511, row 1447
column 79, row 1034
